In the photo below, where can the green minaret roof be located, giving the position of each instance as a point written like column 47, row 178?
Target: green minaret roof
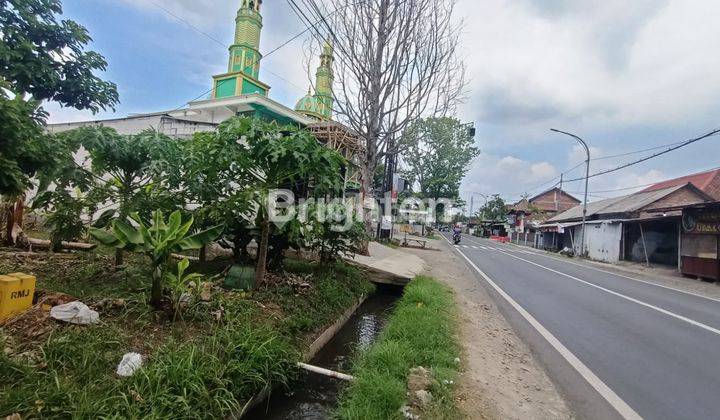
column 244, row 64
column 320, row 104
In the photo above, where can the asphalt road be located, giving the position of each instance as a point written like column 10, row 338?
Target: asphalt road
column 616, row 347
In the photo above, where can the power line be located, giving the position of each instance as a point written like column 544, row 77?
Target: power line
column 654, row 155
column 636, row 186
column 679, row 144
column 636, row 151
column 307, row 28
column 210, row 37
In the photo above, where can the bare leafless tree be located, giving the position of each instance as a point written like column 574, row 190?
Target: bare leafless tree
column 396, row 61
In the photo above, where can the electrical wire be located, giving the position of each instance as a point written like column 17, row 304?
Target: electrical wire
column 654, row 155
column 215, row 40
column 636, row 186
column 671, row 145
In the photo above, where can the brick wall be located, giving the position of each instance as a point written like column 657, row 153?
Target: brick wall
column 546, row 201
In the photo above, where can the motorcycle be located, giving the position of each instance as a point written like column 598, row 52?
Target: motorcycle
column 456, row 238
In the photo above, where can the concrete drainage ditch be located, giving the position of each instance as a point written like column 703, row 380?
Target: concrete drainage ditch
column 314, row 395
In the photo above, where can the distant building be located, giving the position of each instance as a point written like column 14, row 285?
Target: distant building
column 530, row 212
column 632, row 227
column 239, row 91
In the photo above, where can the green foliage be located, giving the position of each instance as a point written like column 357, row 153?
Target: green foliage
column 65, row 222
column 193, row 369
column 25, row 149
column 126, row 173
column 178, row 283
column 256, row 157
column 335, row 234
column 438, row 152
column 420, row 332
column 46, row 58
column 210, row 378
column 41, row 59
column 495, row 209
column 158, row 241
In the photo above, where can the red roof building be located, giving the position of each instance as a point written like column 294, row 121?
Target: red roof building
column 541, row 207
column 707, row 182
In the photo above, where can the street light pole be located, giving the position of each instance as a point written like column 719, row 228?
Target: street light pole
column 587, row 177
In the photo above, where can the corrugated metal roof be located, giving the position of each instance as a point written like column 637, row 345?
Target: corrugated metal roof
column 623, row 204
column 701, row 180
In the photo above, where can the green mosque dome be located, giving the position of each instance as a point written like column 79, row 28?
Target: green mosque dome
column 312, row 106
column 320, row 105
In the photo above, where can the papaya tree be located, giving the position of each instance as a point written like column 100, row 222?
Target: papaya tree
column 120, row 173
column 211, row 174
column 279, row 157
column 158, row 241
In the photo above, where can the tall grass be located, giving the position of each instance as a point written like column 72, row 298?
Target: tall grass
column 421, row 332
column 206, row 378
column 201, row 368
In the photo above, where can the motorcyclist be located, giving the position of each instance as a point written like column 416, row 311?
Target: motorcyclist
column 457, row 230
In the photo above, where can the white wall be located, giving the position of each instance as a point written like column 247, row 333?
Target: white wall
column 602, row 241
column 137, row 124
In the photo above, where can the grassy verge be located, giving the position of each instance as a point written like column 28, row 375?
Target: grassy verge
column 420, row 332
column 205, row 366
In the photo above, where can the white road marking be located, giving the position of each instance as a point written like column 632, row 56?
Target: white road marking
column 639, row 302
column 543, row 254
column 605, row 391
column 627, row 277
column 473, row 247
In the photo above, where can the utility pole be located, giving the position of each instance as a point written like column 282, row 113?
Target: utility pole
column 557, row 204
column 587, row 177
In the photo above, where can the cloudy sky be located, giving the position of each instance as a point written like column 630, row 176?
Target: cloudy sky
column 624, row 75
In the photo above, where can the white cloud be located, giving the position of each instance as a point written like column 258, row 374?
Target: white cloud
column 508, row 174
column 201, row 13
column 610, row 62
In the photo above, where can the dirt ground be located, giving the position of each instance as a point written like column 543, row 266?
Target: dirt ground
column 500, row 379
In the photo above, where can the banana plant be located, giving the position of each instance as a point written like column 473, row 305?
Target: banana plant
column 158, row 241
column 178, row 284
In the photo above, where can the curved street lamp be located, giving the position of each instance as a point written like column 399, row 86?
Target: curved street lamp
column 587, row 176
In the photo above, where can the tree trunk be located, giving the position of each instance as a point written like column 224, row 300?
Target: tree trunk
column 262, row 251
column 13, row 227
column 118, row 257
column 366, row 192
column 156, row 294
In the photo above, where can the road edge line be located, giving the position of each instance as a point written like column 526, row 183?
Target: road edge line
column 548, row 255
column 596, row 383
column 620, row 295
column 629, row 277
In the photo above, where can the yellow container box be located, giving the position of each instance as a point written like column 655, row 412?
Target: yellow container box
column 16, row 294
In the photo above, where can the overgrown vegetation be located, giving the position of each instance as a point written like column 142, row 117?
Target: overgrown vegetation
column 207, row 365
column 420, row 333
column 158, row 241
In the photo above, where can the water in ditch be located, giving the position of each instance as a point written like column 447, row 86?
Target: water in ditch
column 314, row 396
